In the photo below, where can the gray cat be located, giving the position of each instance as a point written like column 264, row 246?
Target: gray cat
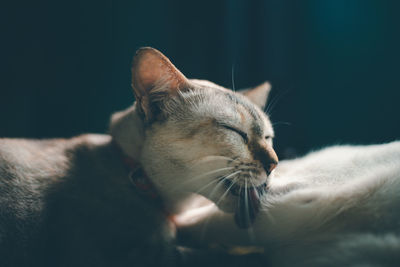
column 100, row 200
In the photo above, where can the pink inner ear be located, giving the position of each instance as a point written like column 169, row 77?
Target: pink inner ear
column 148, row 73
column 152, row 71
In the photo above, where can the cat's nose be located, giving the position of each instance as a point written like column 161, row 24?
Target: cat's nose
column 266, row 155
column 271, row 161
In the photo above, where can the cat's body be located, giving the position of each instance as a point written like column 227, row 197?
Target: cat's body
column 78, row 202
column 70, row 203
column 336, row 207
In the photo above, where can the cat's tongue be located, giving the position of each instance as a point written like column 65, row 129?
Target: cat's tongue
column 247, row 208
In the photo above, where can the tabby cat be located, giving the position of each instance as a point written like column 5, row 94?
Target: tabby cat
column 110, row 200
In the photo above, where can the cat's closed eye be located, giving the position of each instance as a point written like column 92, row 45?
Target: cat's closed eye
column 244, row 135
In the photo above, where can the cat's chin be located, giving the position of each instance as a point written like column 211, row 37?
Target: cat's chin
column 247, row 208
column 245, row 204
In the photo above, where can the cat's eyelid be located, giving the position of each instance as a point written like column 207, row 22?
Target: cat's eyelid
column 232, row 128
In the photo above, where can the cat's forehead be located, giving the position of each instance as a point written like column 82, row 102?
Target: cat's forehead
column 227, row 106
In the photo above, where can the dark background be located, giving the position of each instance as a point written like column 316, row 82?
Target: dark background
column 334, row 65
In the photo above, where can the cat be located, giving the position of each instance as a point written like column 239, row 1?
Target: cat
column 110, row 200
column 339, row 206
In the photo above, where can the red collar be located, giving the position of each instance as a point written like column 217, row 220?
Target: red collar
column 140, row 181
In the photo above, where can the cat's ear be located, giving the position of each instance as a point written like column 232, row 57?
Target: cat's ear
column 259, row 94
column 154, row 77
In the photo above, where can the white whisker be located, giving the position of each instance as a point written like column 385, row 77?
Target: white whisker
column 246, row 203
column 198, row 177
column 205, row 186
column 227, row 190
column 211, row 157
column 268, row 109
column 207, row 173
column 220, row 182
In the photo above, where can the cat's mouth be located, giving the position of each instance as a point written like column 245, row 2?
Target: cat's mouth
column 248, row 204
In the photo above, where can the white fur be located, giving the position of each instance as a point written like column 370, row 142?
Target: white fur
column 325, row 209
column 336, row 207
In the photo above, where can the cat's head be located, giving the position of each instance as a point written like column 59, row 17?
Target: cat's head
column 195, row 136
